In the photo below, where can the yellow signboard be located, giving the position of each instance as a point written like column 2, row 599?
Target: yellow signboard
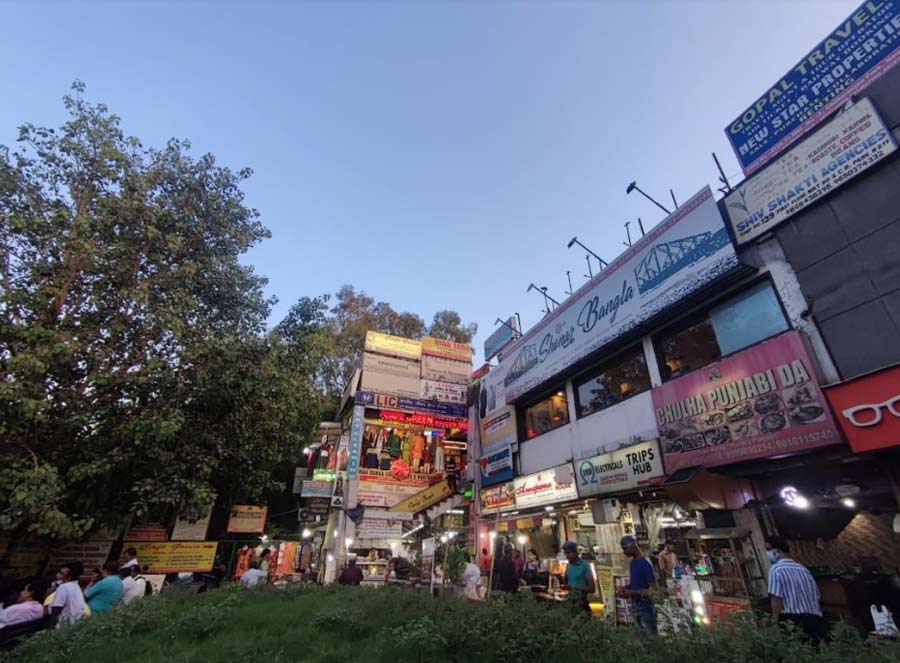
column 424, row 499
column 246, row 519
column 605, row 582
column 438, row 347
column 393, row 345
column 175, row 556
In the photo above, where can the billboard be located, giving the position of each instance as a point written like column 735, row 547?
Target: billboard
column 175, row 557
column 836, row 153
column 316, row 488
column 391, row 384
column 623, row 469
column 438, row 347
column 396, row 346
column 762, row 402
column 859, row 51
column 245, row 519
column 444, row 392
column 396, row 366
column 685, row 252
column 446, row 370
column 499, row 429
column 494, row 343
column 556, row 484
column 413, row 404
column 496, row 467
column 868, row 409
column 496, row 497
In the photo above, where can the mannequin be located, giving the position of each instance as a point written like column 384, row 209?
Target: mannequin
column 439, row 456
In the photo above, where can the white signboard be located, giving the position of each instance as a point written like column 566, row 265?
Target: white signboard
column 685, row 252
column 444, row 392
column 839, row 151
column 386, row 494
column 554, row 485
column 379, row 528
column 317, row 488
column 496, row 462
column 623, row 469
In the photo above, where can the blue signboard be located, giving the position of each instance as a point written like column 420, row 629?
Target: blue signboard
column 414, row 404
column 856, row 53
column 501, row 336
column 355, row 446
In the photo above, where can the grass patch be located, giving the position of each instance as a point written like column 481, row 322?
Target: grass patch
column 388, row 625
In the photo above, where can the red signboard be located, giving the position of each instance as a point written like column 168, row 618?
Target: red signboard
column 868, row 408
column 422, row 419
column 762, row 402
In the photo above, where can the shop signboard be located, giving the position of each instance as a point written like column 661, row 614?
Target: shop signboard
column 396, row 366
column 357, row 422
column 868, row 409
column 246, row 519
column 396, row 346
column 415, row 419
column 556, row 484
column 185, row 530
column 439, row 347
column 444, row 392
column 379, row 528
column 496, row 467
column 496, row 497
column 413, row 404
column 93, row 554
column 762, row 402
column 324, row 475
column 424, row 499
column 857, row 53
column 148, row 532
column 839, row 151
column 446, row 370
column 300, row 473
column 502, row 336
column 499, row 429
column 627, row 468
column 407, row 387
column 317, row 488
column 383, row 490
column 684, row 253
column 176, row 556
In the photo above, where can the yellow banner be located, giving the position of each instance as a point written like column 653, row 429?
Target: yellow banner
column 175, row 556
column 393, row 345
column 246, row 519
column 438, row 347
column 605, row 581
column 424, row 499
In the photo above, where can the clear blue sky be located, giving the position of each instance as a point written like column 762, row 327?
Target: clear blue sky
column 437, row 155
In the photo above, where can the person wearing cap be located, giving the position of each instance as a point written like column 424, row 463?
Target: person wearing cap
column 641, row 582
column 579, row 579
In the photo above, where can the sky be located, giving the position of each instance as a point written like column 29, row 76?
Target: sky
column 434, row 154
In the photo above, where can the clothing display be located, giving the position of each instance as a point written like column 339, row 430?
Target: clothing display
column 394, row 444
column 242, row 561
column 405, row 448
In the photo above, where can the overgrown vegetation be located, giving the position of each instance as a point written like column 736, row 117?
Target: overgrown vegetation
column 335, row 624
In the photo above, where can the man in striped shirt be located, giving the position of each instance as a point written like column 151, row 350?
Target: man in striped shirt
column 793, row 592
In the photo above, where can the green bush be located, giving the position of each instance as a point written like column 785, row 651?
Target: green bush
column 339, row 624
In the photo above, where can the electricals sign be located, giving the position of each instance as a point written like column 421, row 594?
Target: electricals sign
column 859, row 51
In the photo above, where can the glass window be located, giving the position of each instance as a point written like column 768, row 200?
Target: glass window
column 623, row 377
column 748, row 318
column 688, row 348
column 546, row 415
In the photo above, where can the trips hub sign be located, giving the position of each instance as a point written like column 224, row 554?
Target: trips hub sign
column 868, row 409
column 758, row 403
column 624, row 469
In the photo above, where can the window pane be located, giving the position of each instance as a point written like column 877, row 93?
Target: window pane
column 687, row 349
column 748, row 318
column 614, row 382
column 550, row 413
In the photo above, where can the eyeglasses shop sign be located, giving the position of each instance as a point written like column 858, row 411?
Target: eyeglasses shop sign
column 623, row 469
column 842, row 149
column 547, row 487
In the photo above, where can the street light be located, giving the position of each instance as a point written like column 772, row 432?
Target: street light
column 634, row 187
column 575, row 240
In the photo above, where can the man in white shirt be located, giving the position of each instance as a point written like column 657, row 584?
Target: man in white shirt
column 253, row 575
column 472, row 578
column 131, row 559
column 68, row 601
column 134, row 585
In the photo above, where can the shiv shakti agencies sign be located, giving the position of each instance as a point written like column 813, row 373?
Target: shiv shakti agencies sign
column 686, row 251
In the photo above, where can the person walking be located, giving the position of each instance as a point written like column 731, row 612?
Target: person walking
column 104, row 594
column 641, row 582
column 67, row 605
column 793, row 593
column 579, row 581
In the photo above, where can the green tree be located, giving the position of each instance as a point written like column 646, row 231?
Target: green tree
column 449, row 326
column 136, row 374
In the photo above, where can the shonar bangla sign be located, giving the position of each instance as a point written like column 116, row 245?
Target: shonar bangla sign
column 688, row 250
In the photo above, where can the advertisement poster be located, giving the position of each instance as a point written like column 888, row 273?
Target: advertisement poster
column 424, row 499
column 246, row 519
column 185, row 530
column 382, row 490
column 554, row 485
column 499, row 429
column 859, row 51
column 685, row 252
column 438, row 347
column 494, row 343
column 761, row 402
column 413, row 404
column 396, row 346
column 496, row 467
column 355, row 448
column 496, row 497
column 446, row 370
column 175, row 557
column 839, row 151
column 868, row 409
column 406, row 387
column 444, row 392
column 312, row 488
column 92, row 554
column 623, row 469
column 396, row 366
column 607, row 588
column 379, row 528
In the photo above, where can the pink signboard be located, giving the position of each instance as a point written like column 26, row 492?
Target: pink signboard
column 758, row 403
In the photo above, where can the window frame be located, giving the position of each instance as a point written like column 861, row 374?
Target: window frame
column 603, row 366
column 522, row 412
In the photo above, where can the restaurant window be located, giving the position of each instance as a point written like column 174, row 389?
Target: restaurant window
column 749, row 317
column 613, row 382
column 547, row 415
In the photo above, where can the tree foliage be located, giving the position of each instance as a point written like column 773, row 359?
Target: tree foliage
column 136, row 372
